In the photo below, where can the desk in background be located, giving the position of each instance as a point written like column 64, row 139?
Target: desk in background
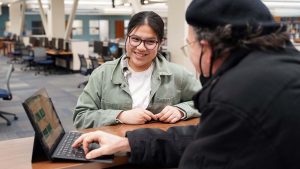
column 9, row 45
column 65, row 55
column 16, row 154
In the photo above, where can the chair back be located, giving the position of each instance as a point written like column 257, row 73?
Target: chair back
column 18, row 46
column 94, row 62
column 7, row 81
column 39, row 53
column 84, row 69
column 27, row 51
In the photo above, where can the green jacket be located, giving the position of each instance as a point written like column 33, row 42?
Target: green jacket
column 107, row 93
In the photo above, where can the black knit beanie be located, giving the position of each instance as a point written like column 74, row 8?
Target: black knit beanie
column 239, row 13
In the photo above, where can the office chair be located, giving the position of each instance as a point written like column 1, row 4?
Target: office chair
column 17, row 53
column 27, row 57
column 106, row 56
column 94, row 61
column 84, row 69
column 41, row 59
column 5, row 94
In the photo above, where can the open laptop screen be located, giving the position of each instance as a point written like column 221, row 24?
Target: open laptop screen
column 44, row 119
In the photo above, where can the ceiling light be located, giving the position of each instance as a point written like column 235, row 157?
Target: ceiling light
column 158, row 1
column 127, row 4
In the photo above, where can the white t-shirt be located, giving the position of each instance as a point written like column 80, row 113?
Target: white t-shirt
column 140, row 87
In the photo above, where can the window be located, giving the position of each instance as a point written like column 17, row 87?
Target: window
column 104, row 30
column 7, row 26
column 37, row 28
column 94, row 27
column 165, row 31
column 293, row 26
column 126, row 22
column 77, row 27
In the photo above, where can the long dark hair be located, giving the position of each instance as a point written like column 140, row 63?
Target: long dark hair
column 150, row 18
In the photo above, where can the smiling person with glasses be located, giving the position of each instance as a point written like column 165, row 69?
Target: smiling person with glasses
column 141, row 85
column 249, row 103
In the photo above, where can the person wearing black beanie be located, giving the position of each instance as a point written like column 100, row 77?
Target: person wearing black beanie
column 249, row 101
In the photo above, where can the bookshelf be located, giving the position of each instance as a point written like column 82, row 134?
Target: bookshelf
column 293, row 27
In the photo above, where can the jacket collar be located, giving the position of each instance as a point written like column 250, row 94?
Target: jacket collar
column 235, row 57
column 160, row 63
column 203, row 96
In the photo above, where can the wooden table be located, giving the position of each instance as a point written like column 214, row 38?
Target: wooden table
column 56, row 52
column 9, row 47
column 66, row 55
column 16, row 153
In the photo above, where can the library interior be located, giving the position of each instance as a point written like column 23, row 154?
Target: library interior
column 56, row 45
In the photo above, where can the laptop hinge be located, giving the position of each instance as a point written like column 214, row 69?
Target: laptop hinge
column 38, row 153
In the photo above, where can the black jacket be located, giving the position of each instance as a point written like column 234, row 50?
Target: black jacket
column 250, row 119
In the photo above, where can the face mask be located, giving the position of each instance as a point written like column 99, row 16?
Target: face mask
column 203, row 80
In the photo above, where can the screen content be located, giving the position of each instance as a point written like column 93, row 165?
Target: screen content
column 44, row 116
column 113, row 49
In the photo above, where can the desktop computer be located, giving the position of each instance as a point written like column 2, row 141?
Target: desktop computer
column 42, row 41
column 60, row 44
column 32, row 40
column 113, row 49
column 46, row 44
column 67, row 46
column 53, row 43
column 98, row 47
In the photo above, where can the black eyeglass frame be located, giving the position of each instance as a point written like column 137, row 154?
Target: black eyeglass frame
column 141, row 40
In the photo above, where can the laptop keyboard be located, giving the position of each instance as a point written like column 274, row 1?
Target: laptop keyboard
column 66, row 150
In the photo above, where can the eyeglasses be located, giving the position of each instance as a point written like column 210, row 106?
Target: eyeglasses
column 186, row 48
column 149, row 44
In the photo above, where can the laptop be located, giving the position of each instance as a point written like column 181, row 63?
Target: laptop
column 51, row 141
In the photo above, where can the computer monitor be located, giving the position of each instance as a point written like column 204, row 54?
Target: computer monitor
column 98, row 47
column 42, row 41
column 105, row 51
column 14, row 37
column 106, row 54
column 7, row 35
column 18, row 39
column 53, row 43
column 60, row 44
column 120, row 52
column 46, row 44
column 113, row 49
column 37, row 43
column 67, row 47
column 32, row 40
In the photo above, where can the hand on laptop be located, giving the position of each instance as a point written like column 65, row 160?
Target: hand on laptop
column 109, row 144
column 136, row 116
